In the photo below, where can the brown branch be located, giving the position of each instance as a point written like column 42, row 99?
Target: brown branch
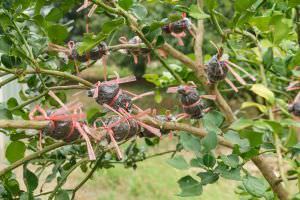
column 270, row 176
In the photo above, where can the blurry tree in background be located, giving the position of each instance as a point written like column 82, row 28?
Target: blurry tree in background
column 258, row 123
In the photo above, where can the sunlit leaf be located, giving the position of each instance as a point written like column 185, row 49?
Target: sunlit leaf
column 264, row 92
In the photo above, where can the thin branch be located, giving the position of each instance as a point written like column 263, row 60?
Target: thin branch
column 86, row 178
column 34, row 155
column 65, row 176
column 160, row 154
column 68, row 87
column 8, row 80
column 49, row 72
column 30, row 101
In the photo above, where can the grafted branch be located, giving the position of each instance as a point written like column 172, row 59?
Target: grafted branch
column 262, row 165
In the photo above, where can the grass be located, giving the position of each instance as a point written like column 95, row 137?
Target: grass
column 153, row 179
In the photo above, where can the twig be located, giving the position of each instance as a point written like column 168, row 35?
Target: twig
column 68, row 87
column 49, row 72
column 32, row 156
column 8, row 80
column 86, row 178
column 65, row 176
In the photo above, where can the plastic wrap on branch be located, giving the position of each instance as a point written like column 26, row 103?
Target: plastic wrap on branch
column 136, row 51
column 218, row 67
column 94, row 54
column 294, row 108
column 66, row 123
column 191, row 101
column 168, row 117
column 124, row 126
column 110, row 93
column 177, row 29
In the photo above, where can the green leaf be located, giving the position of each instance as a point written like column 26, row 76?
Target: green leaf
column 189, row 187
column 197, row 13
column 13, row 186
column 160, row 41
column 12, row 102
column 62, row 195
column 255, row 186
column 248, row 104
column 112, row 25
column 15, row 151
column 197, row 162
column 268, row 57
column 242, row 5
column 125, row 4
column 208, row 177
column 264, row 92
column 90, row 41
column 226, row 172
column 139, row 11
column 209, row 160
column 211, row 4
column 210, row 141
column 5, row 113
column 241, row 124
column 261, row 22
column 234, row 138
column 30, row 179
column 54, row 15
column 190, row 142
column 57, row 33
column 294, row 3
column 10, row 61
column 5, row 45
column 254, row 138
column 93, row 113
column 214, row 117
column 230, row 160
column 178, row 162
column 280, row 28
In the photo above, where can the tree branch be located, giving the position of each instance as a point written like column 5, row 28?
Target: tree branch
column 48, row 72
column 33, row 124
column 262, row 165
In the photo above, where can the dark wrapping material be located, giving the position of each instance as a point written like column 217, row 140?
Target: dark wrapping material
column 148, row 134
column 295, row 109
column 95, row 54
column 216, row 70
column 191, row 102
column 176, row 27
column 112, row 95
column 124, row 129
column 137, row 51
column 61, row 130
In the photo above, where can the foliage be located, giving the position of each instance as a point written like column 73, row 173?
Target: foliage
column 262, row 36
